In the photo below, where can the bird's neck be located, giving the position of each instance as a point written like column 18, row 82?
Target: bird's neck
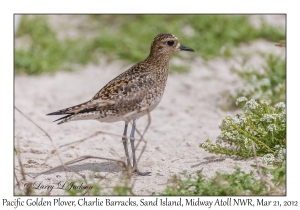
column 161, row 60
column 159, row 67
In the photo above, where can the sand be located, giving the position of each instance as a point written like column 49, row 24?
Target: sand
column 188, row 114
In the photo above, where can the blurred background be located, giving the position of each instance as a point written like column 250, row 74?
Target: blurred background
column 48, row 43
column 63, row 60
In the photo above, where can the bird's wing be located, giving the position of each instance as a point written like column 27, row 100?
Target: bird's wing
column 122, row 93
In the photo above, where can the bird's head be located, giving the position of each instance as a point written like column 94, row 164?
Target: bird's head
column 164, row 45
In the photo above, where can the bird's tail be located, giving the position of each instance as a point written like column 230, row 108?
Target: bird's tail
column 70, row 112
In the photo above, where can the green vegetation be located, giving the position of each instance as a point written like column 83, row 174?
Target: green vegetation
column 237, row 183
column 128, row 37
column 260, row 123
column 179, row 68
column 16, row 151
column 267, row 83
column 95, row 188
column 46, row 53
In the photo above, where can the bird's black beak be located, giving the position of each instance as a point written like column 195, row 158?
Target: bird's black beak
column 184, row 48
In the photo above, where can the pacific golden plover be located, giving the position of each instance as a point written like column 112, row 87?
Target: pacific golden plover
column 132, row 94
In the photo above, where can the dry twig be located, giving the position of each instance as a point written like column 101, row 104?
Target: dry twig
column 56, row 151
column 60, row 159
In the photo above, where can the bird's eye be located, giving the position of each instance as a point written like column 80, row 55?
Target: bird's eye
column 170, row 42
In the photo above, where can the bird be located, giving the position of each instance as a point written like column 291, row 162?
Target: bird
column 132, row 94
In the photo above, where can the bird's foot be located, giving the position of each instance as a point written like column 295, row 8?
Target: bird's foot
column 138, row 172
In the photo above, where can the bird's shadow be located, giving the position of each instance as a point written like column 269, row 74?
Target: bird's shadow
column 212, row 159
column 107, row 166
column 208, row 160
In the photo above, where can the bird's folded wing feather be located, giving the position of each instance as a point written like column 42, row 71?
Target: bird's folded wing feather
column 119, row 94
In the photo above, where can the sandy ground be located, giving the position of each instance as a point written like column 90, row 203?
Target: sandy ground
column 188, row 114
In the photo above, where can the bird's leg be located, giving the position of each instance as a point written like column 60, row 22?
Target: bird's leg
column 133, row 151
column 124, row 139
column 132, row 143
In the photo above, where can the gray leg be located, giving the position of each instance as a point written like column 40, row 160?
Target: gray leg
column 124, row 139
column 132, row 143
column 133, row 150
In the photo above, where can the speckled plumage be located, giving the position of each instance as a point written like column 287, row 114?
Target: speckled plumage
column 132, row 94
column 140, row 87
